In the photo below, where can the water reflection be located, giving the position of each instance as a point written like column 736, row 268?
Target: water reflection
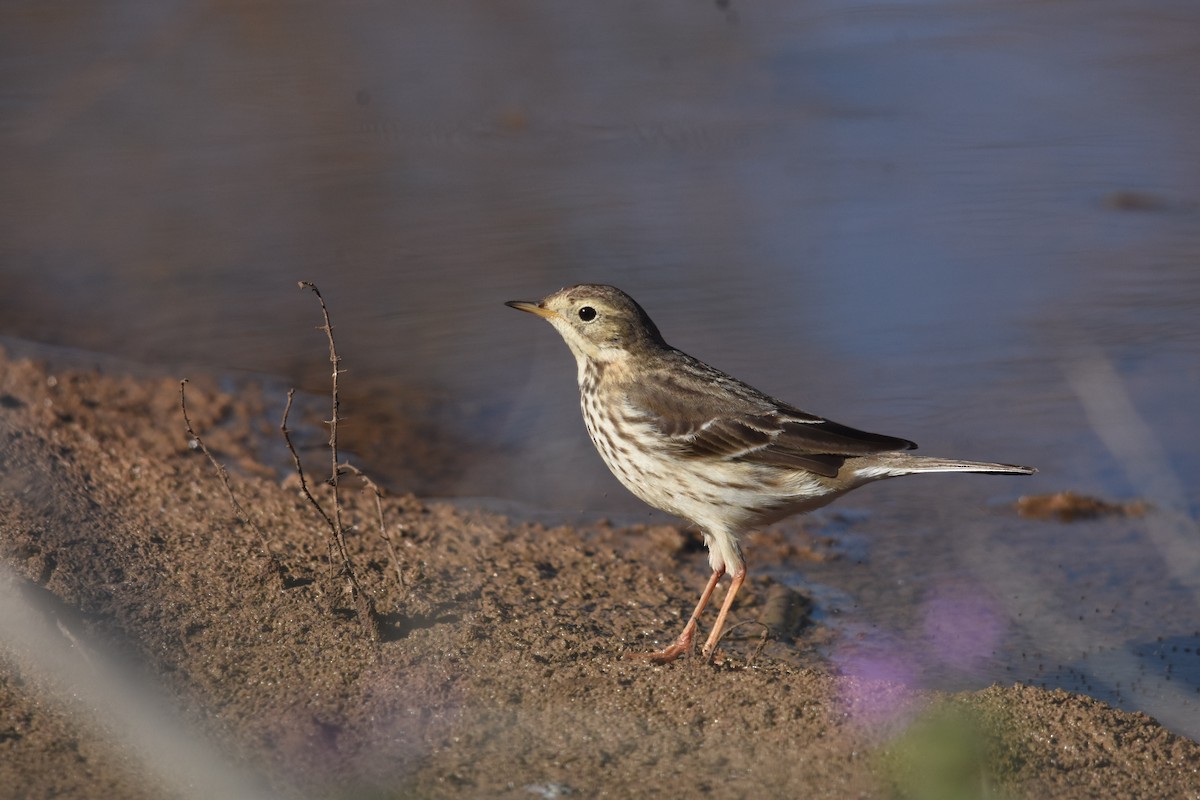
column 910, row 217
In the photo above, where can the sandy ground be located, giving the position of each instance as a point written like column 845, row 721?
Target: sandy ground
column 149, row 649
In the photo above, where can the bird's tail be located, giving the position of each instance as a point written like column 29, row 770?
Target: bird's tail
column 889, row 464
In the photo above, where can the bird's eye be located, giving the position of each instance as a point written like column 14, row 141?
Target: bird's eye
column 587, row 313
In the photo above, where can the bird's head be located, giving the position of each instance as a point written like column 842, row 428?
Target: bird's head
column 599, row 323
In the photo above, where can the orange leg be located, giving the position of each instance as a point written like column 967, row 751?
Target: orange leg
column 735, row 583
column 684, row 643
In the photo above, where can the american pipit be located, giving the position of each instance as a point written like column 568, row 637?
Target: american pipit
column 695, row 442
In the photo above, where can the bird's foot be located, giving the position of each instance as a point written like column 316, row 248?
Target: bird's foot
column 681, row 646
column 664, row 656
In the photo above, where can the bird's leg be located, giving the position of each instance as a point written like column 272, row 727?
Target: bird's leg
column 683, row 644
column 735, row 583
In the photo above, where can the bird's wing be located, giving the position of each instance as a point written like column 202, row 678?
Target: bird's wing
column 719, row 417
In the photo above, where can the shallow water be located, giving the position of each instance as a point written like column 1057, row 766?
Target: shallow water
column 976, row 226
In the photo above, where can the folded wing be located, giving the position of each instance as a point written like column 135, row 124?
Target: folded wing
column 742, row 424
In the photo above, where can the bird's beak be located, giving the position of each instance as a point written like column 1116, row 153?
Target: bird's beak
column 532, row 308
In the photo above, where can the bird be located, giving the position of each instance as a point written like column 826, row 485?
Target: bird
column 697, row 443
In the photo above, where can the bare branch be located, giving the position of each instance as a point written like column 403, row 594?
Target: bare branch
column 335, row 417
column 383, row 534
column 273, row 563
column 287, row 437
column 762, row 639
column 367, row 614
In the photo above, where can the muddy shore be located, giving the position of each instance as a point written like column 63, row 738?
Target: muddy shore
column 128, row 581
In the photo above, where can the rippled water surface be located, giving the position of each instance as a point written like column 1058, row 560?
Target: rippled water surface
column 973, row 225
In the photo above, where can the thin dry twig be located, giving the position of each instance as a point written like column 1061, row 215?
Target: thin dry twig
column 273, row 564
column 367, row 615
column 762, row 639
column 287, row 438
column 332, row 422
column 383, row 534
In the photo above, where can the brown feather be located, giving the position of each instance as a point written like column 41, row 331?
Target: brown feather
column 739, row 423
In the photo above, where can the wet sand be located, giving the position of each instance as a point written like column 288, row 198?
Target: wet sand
column 499, row 669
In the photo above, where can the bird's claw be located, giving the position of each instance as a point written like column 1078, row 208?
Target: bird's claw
column 681, row 646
